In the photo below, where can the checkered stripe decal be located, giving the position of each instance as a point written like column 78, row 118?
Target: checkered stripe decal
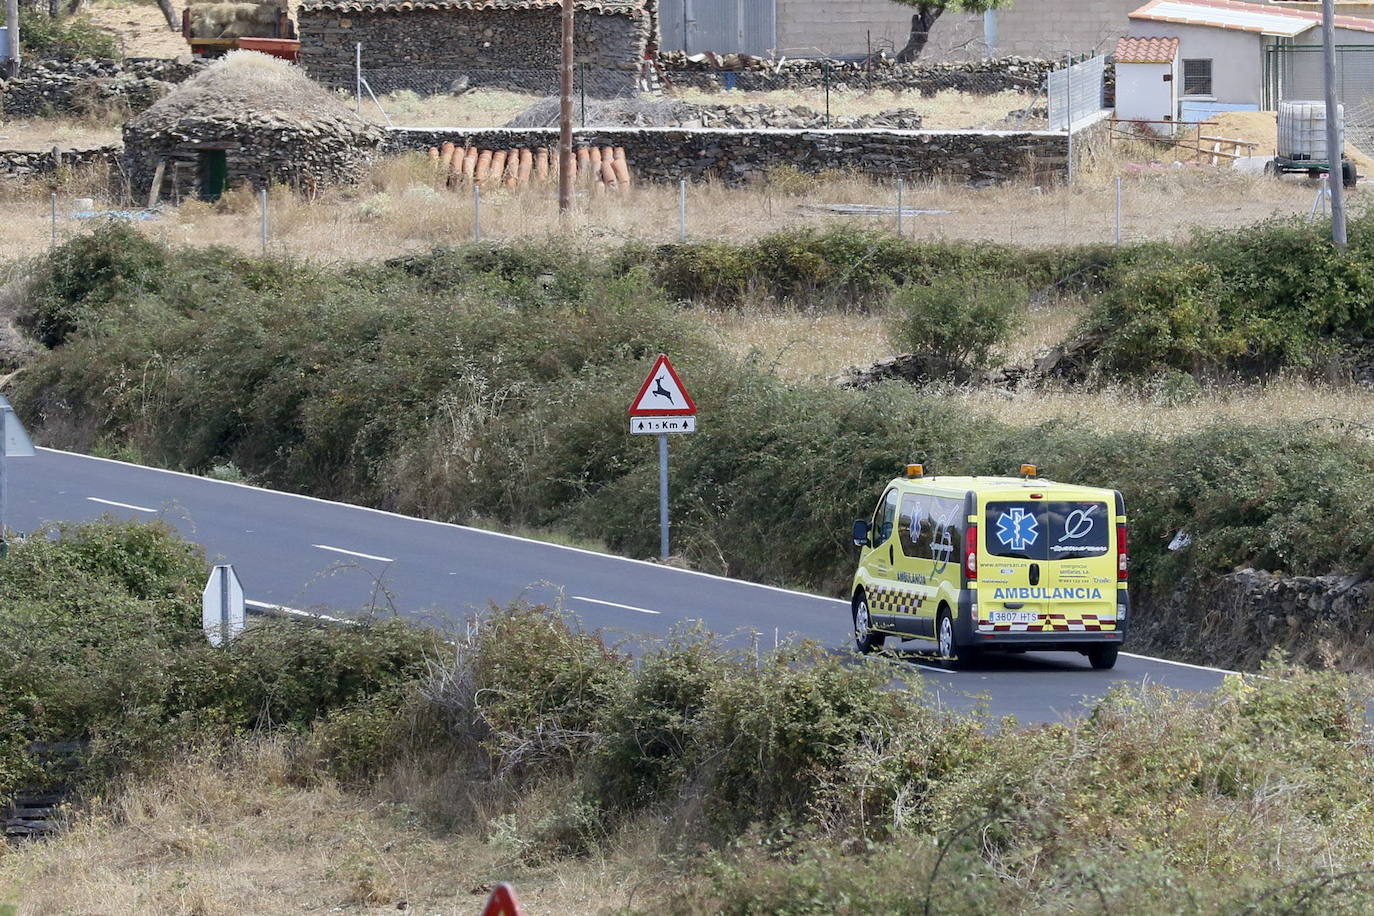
column 886, row 600
column 1078, row 623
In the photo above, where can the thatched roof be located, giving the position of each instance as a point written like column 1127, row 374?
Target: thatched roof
column 245, row 87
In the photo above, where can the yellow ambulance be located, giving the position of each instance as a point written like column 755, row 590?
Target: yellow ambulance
column 963, row 565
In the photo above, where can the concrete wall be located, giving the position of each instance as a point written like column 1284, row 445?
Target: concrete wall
column 1143, row 93
column 738, row 156
column 1237, row 58
column 1032, row 28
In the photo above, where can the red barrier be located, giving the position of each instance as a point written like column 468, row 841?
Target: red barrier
column 502, row 902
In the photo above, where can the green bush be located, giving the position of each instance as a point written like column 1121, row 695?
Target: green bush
column 955, row 322
column 59, row 36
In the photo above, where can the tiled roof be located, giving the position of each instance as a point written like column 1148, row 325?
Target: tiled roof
column 1244, row 17
column 1146, row 50
column 402, row 6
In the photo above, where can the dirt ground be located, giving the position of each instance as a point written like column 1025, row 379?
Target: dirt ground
column 139, row 27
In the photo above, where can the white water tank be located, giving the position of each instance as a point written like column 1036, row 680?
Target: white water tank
column 1302, row 129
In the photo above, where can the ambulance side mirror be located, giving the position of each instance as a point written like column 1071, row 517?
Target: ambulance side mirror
column 861, row 533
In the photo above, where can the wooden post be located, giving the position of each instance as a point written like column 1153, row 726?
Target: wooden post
column 156, row 189
column 565, row 91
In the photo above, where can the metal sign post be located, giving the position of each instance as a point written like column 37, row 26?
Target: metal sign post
column 14, row 443
column 661, row 408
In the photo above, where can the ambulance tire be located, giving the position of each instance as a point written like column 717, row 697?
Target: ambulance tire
column 865, row 640
column 952, row 655
column 1103, row 658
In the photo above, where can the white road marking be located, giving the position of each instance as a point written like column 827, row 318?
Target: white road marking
column 111, row 502
column 430, row 521
column 295, row 612
column 936, row 670
column 354, row 553
column 1170, row 661
column 628, row 607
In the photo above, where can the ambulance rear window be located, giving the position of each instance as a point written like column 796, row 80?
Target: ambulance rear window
column 1033, row 530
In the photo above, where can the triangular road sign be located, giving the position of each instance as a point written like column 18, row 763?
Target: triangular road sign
column 662, row 394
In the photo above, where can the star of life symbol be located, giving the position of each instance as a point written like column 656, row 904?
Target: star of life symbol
column 1017, row 529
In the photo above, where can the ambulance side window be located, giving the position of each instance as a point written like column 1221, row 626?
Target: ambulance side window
column 911, row 525
column 885, row 515
column 946, row 534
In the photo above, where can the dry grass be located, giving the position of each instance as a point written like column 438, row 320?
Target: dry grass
column 234, row 836
column 403, row 209
column 45, row 133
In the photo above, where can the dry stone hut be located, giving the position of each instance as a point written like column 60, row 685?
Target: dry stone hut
column 247, row 119
column 430, row 45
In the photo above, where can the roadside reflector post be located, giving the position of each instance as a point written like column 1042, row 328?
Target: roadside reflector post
column 222, row 606
column 662, row 406
column 14, row 443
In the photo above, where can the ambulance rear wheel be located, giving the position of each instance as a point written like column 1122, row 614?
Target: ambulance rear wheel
column 1103, row 658
column 952, row 654
column 864, row 637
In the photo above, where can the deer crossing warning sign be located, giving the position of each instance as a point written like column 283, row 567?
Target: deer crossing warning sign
column 663, row 404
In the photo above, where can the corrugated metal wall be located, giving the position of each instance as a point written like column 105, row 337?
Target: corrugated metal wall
column 723, row 26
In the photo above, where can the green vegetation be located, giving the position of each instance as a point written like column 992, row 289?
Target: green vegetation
column 62, row 36
column 491, row 382
column 955, row 322
column 100, row 641
column 801, row 782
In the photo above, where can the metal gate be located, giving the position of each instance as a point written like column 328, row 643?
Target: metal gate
column 723, row 26
column 1295, row 72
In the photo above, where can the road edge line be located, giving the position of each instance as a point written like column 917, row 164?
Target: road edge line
column 430, row 521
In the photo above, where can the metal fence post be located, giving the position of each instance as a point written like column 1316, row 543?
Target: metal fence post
column 477, row 213
column 582, row 81
column 358, row 79
column 825, row 79
column 899, row 207
column 53, row 201
column 682, row 209
column 1068, row 112
column 262, row 227
column 1118, row 210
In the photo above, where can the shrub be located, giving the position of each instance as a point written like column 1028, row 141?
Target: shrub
column 67, row 37
column 954, row 322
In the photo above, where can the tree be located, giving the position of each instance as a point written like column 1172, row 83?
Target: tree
column 927, row 11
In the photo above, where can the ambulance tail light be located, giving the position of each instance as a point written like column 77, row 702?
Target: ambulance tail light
column 1123, row 560
column 971, row 553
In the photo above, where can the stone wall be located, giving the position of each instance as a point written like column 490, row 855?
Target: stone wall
column 1236, row 619
column 736, row 156
column 509, row 48
column 742, row 72
column 21, row 164
column 46, row 87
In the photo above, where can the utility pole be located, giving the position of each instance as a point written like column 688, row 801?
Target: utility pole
column 1334, row 141
column 12, row 22
column 566, row 163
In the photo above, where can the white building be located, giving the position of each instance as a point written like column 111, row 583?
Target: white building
column 1235, row 56
column 1147, row 80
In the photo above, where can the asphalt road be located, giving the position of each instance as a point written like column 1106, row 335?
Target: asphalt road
column 308, row 554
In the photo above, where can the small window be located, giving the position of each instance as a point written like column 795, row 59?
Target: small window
column 1197, row 76
column 885, row 515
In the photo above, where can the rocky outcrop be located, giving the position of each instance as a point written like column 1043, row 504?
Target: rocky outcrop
column 1236, row 619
